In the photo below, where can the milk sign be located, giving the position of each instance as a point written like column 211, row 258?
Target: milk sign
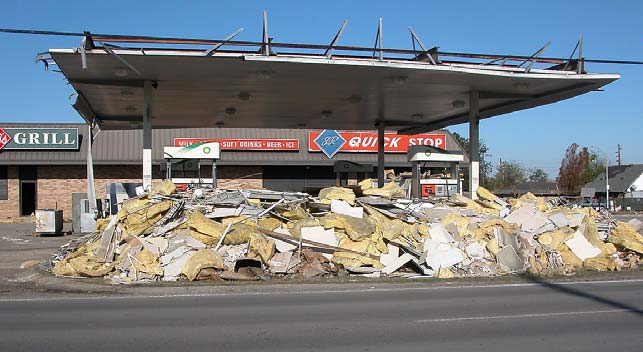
column 13, row 138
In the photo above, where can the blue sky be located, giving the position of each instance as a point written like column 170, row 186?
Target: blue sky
column 534, row 138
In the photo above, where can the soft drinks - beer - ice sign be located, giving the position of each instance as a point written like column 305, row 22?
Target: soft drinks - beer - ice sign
column 366, row 142
column 38, row 138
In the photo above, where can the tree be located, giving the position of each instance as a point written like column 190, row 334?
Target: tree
column 485, row 166
column 578, row 167
column 508, row 175
column 537, row 175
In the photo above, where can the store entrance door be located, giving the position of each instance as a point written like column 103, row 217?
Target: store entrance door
column 28, row 196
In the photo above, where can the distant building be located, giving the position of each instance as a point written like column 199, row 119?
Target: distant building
column 626, row 186
column 540, row 188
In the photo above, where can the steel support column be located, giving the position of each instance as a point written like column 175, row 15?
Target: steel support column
column 474, row 143
column 214, row 174
column 147, row 135
column 380, row 155
column 415, row 183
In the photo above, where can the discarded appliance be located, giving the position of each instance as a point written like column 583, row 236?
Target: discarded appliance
column 49, row 222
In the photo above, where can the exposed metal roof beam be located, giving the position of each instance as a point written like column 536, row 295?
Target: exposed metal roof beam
column 416, row 38
column 211, row 50
column 378, row 41
column 265, row 42
column 534, row 56
column 329, row 52
column 108, row 49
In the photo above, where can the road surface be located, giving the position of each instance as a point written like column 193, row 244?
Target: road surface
column 598, row 316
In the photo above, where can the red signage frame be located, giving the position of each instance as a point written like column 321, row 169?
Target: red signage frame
column 238, row 144
column 366, row 142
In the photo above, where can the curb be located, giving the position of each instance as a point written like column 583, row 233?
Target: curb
column 17, row 220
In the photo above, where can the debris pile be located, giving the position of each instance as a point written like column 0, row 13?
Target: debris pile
column 259, row 234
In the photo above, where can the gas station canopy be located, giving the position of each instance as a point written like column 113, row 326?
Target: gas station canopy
column 264, row 89
column 158, row 82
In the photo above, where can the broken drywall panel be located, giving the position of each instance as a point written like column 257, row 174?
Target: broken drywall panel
column 397, row 263
column 559, row 219
column 388, row 258
column 439, row 233
column 321, row 235
column 285, row 246
column 441, row 255
column 343, row 208
column 581, row 246
column 280, row 262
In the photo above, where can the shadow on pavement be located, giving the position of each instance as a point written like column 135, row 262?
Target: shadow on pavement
column 576, row 292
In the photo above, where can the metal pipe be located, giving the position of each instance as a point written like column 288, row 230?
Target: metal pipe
column 380, row 155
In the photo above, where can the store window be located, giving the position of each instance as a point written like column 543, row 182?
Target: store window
column 185, row 168
column 4, row 187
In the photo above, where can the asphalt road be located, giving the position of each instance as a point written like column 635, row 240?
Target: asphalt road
column 597, row 316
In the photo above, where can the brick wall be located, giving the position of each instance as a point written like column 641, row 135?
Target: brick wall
column 233, row 177
column 11, row 208
column 55, row 184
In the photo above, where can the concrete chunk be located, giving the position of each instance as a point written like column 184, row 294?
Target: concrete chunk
column 509, row 260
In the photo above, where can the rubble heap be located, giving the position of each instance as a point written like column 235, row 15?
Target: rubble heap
column 258, row 234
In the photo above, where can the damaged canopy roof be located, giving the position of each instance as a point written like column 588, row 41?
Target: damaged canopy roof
column 243, row 88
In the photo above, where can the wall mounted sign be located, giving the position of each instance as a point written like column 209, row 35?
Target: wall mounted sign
column 366, row 142
column 328, row 141
column 244, row 144
column 14, row 138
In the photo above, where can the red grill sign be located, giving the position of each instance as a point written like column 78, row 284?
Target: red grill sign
column 4, row 138
column 244, row 144
column 366, row 142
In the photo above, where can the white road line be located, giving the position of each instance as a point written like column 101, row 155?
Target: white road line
column 281, row 293
column 521, row 316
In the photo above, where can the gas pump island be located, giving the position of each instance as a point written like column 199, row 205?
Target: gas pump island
column 423, row 156
column 188, row 161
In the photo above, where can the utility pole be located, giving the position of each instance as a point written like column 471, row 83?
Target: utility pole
column 618, row 154
column 607, row 178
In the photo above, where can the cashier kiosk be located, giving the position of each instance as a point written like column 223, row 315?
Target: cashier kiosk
column 428, row 156
column 187, row 161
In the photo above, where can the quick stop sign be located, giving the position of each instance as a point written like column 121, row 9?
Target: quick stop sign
column 366, row 142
